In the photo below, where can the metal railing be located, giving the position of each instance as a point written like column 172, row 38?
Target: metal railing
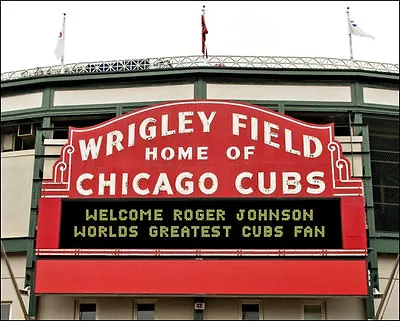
column 184, row 62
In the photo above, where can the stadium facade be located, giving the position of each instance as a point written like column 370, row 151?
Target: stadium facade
column 179, row 188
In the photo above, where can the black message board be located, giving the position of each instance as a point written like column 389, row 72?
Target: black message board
column 213, row 223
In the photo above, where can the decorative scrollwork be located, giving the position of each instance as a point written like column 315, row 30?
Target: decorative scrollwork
column 333, row 146
column 61, row 175
column 344, row 169
column 341, row 172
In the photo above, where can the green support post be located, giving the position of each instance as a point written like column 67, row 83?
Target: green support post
column 36, row 191
column 200, row 89
column 372, row 261
column 198, row 314
column 281, row 108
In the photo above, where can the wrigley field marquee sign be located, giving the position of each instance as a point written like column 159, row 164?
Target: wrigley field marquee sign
column 202, row 178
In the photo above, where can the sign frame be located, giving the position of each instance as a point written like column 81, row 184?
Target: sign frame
column 286, row 158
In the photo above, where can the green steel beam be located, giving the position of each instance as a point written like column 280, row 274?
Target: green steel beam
column 367, row 173
column 358, row 129
column 47, row 98
column 372, row 261
column 357, row 94
column 118, row 111
column 23, row 114
column 369, row 300
column 36, row 192
column 199, row 94
column 390, row 235
column 15, row 244
column 387, row 246
column 281, row 108
column 198, row 314
column 200, row 89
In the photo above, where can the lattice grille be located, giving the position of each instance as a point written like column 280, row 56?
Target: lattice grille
column 251, row 62
column 386, row 218
column 384, row 143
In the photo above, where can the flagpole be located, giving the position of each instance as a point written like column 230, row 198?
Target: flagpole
column 205, row 44
column 62, row 57
column 350, row 39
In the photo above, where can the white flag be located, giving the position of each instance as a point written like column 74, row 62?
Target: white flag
column 59, row 52
column 356, row 30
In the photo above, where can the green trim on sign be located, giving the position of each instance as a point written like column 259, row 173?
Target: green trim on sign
column 15, row 244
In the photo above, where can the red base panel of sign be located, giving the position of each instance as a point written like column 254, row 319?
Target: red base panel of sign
column 202, row 277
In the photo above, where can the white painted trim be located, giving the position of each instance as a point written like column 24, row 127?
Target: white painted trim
column 55, row 142
column 123, row 95
column 381, row 96
column 279, row 92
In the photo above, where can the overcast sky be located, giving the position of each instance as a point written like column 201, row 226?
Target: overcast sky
column 111, row 30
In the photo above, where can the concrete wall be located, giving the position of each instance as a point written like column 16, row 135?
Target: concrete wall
column 221, row 309
column 346, row 308
column 124, row 308
column 385, row 266
column 113, row 308
column 8, row 293
column 16, row 190
column 174, row 308
column 282, row 309
column 52, row 307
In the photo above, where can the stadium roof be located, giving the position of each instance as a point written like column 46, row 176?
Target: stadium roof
column 186, row 62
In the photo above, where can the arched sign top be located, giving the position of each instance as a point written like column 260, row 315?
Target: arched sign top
column 202, row 148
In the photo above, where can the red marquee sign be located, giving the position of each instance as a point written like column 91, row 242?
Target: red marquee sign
column 201, row 150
